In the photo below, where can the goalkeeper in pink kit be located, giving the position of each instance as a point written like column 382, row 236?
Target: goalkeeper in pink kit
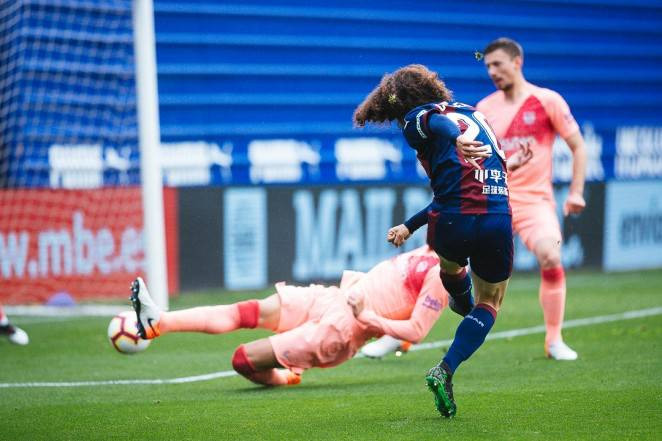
column 522, row 112
column 315, row 326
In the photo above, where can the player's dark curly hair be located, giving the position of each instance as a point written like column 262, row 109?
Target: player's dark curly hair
column 399, row 92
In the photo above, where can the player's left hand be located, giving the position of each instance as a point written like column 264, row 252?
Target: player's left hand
column 356, row 303
column 472, row 150
column 574, row 204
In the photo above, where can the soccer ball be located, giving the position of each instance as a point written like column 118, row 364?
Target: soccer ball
column 123, row 333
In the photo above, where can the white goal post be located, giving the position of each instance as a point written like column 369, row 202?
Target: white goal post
column 149, row 138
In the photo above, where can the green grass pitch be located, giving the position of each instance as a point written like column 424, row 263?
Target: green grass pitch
column 508, row 390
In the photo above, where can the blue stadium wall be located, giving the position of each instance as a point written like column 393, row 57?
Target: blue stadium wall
column 285, row 77
column 256, row 100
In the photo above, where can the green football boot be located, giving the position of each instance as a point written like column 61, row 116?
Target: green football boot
column 439, row 381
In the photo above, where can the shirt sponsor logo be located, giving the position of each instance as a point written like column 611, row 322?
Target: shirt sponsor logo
column 512, row 143
column 496, row 176
column 432, row 303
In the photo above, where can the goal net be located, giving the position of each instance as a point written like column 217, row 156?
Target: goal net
column 70, row 201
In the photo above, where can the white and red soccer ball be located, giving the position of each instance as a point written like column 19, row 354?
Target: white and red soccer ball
column 123, row 333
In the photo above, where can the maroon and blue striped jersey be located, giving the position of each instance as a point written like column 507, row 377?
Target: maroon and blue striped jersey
column 432, row 130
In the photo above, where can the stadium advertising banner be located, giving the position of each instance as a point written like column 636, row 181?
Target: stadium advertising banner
column 582, row 234
column 85, row 243
column 246, row 238
column 633, row 225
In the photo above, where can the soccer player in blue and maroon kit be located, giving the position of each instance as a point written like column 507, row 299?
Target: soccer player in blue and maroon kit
column 469, row 219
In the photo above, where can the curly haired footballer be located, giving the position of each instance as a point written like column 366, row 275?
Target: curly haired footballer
column 399, row 92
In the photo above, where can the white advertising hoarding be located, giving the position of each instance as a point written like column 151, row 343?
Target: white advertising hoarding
column 633, row 225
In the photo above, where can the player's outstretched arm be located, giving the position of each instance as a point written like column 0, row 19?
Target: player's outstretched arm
column 431, row 300
column 400, row 233
column 415, row 329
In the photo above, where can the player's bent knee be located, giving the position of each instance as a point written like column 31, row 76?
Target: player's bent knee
column 548, row 253
column 241, row 363
column 550, row 260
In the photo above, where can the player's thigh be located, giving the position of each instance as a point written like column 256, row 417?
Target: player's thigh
column 269, row 312
column 536, row 222
column 548, row 252
column 452, row 238
column 317, row 344
column 299, row 304
column 492, row 257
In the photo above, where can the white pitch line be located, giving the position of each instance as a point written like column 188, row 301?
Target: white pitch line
column 66, row 311
column 192, row 379
column 628, row 315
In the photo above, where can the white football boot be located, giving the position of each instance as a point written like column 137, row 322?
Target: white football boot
column 560, row 351
column 147, row 311
column 14, row 334
column 384, row 346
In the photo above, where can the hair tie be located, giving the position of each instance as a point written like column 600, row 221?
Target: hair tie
column 392, row 98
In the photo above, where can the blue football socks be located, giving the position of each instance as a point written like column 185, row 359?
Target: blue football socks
column 470, row 335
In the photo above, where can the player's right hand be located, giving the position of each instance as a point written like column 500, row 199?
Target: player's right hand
column 521, row 157
column 574, row 204
column 398, row 235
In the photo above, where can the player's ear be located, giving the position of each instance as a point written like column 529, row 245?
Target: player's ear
column 518, row 61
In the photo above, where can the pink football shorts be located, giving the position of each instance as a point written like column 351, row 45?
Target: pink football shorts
column 317, row 328
column 533, row 222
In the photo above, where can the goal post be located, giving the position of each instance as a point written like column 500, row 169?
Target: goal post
column 149, row 140
column 81, row 196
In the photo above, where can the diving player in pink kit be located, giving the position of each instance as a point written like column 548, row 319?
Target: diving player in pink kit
column 522, row 112
column 315, row 326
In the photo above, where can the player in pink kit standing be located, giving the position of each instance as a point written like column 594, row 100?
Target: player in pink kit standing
column 522, row 112
column 315, row 326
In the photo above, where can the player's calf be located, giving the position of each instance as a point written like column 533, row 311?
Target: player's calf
column 268, row 376
column 459, row 286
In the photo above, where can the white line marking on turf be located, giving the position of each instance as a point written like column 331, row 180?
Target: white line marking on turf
column 180, row 380
column 628, row 315
column 66, row 311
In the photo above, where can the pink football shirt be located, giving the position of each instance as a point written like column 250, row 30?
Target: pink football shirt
column 402, row 296
column 536, row 118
